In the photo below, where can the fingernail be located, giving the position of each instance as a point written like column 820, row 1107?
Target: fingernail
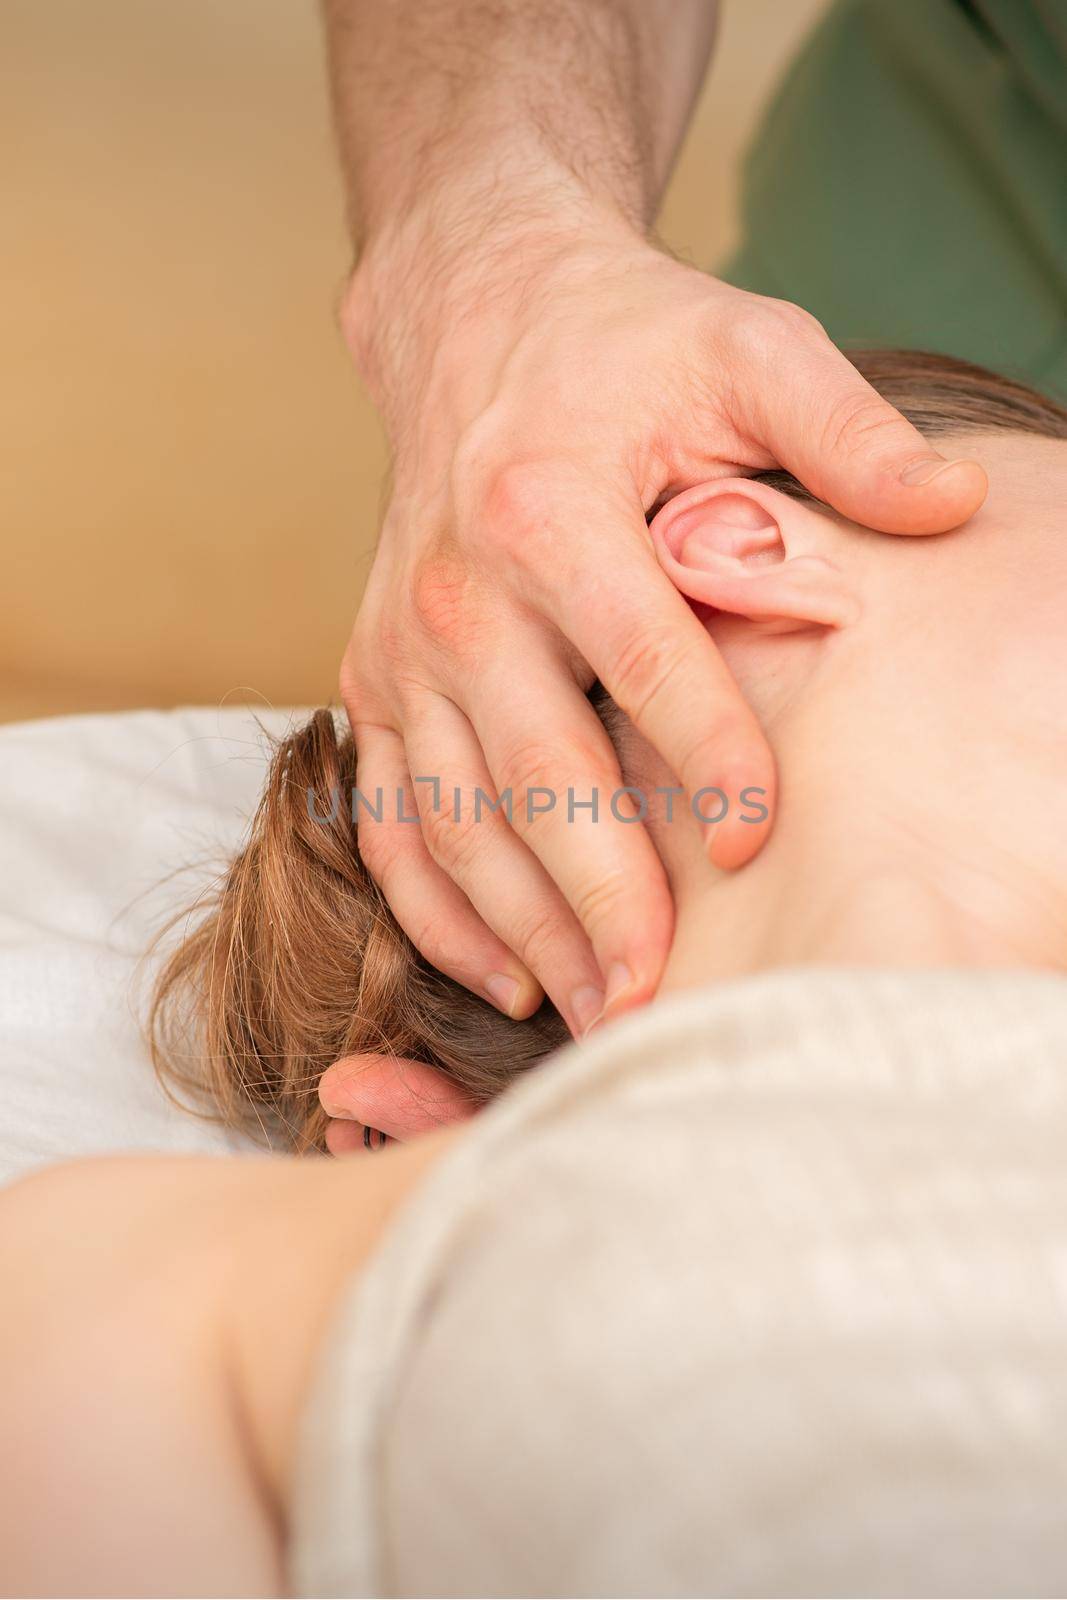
column 587, row 1004
column 620, row 978
column 920, row 473
column 503, row 992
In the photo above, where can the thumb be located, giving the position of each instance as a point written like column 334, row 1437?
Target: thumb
column 393, row 1096
column 829, row 427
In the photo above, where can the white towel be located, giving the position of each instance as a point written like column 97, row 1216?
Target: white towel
column 96, row 816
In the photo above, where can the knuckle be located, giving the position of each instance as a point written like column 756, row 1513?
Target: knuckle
column 765, row 323
column 537, row 938
column 643, row 669
column 515, row 508
column 359, row 686
column 796, row 319
column 857, row 422
column 451, row 840
column 457, row 615
column 440, row 585
column 528, row 765
column 599, row 901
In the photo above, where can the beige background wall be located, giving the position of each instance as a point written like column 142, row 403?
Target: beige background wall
column 189, row 471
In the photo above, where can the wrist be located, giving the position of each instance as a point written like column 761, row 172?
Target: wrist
column 443, row 288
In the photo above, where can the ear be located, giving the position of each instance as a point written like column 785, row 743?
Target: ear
column 738, row 546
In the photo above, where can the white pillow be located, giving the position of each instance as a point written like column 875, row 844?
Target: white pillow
column 107, row 825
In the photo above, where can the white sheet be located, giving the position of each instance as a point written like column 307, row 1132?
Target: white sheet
column 95, row 813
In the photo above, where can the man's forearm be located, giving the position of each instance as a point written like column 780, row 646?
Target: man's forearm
column 481, row 142
column 534, row 96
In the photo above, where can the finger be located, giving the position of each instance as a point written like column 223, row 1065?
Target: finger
column 344, row 1138
column 851, row 448
column 398, row 1097
column 661, row 666
column 500, row 876
column 546, row 747
column 433, row 912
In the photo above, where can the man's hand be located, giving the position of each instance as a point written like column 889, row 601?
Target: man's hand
column 514, row 566
column 546, row 376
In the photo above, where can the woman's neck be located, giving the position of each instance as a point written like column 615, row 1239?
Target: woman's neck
column 906, row 849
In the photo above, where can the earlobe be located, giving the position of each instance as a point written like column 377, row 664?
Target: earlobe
column 743, row 548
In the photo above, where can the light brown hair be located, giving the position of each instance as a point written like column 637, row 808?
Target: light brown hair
column 297, row 960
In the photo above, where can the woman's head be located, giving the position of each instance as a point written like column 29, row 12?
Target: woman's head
column 912, row 692
column 298, row 961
